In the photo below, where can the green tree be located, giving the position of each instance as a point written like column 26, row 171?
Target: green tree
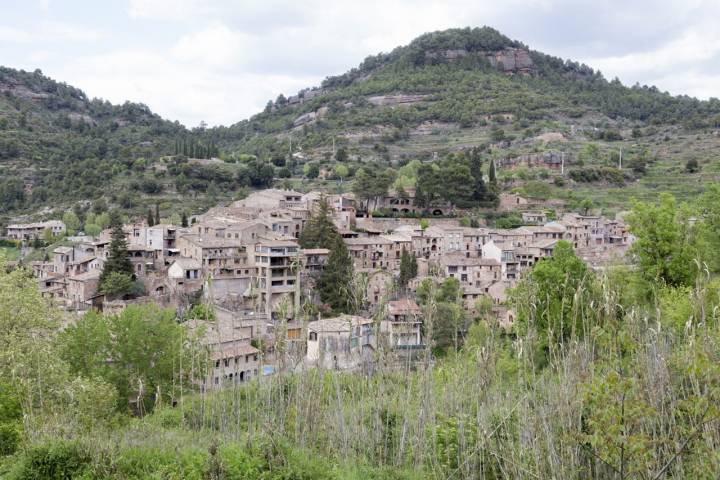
column 335, row 282
column 665, row 247
column 549, row 297
column 427, row 186
column 408, row 268
column 320, row 231
column 443, row 303
column 72, row 222
column 341, row 155
column 341, row 171
column 371, row 184
column 457, row 184
column 586, row 205
column 692, row 166
column 311, row 170
column 493, row 187
column 475, row 163
column 145, row 344
column 103, row 220
column 118, row 260
column 184, row 220
column 117, row 284
column 150, row 218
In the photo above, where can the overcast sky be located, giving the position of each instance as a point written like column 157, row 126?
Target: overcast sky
column 221, row 60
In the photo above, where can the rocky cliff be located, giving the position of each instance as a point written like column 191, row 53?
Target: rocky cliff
column 508, row 60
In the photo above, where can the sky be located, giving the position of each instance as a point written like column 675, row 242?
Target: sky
column 220, row 61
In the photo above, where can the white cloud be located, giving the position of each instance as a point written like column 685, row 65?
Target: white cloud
column 221, row 60
column 47, row 32
column 168, row 9
column 214, row 47
column 176, row 90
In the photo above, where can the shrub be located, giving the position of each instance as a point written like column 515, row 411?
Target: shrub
column 57, row 460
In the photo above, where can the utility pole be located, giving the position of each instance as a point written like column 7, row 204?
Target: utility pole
column 620, row 160
column 562, row 163
column 333, row 147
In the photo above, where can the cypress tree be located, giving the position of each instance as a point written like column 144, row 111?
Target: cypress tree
column 117, row 260
column 150, row 219
column 405, row 268
column 335, row 282
column 184, row 220
column 494, row 187
column 475, row 163
column 157, row 214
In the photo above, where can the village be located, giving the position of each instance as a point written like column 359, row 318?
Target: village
column 244, row 263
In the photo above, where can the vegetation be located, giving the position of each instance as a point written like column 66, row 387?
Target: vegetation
column 62, row 147
column 117, row 276
column 612, row 374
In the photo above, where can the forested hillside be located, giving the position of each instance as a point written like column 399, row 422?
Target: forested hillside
column 444, row 92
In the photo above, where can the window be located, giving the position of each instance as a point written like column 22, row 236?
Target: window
column 313, row 336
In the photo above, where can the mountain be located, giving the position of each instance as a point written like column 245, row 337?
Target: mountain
column 444, row 92
column 464, row 77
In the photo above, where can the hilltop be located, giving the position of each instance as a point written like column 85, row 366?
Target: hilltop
column 444, row 92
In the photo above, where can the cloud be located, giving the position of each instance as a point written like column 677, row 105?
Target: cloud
column 172, row 89
column 48, row 32
column 221, row 60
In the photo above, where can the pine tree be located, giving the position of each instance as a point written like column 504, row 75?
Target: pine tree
column 184, row 221
column 118, row 260
column 320, row 232
column 335, row 282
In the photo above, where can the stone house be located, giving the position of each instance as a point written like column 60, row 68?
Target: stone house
column 82, row 287
column 379, row 285
column 370, row 253
column 342, row 343
column 277, row 265
column 402, row 326
column 30, row 231
column 233, row 360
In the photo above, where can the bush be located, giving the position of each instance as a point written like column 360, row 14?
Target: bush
column 57, row 460
column 10, row 434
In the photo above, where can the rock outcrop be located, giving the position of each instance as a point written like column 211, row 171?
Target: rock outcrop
column 508, row 60
column 310, row 117
column 399, row 99
column 512, row 60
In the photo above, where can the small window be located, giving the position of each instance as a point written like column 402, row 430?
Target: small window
column 313, row 336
